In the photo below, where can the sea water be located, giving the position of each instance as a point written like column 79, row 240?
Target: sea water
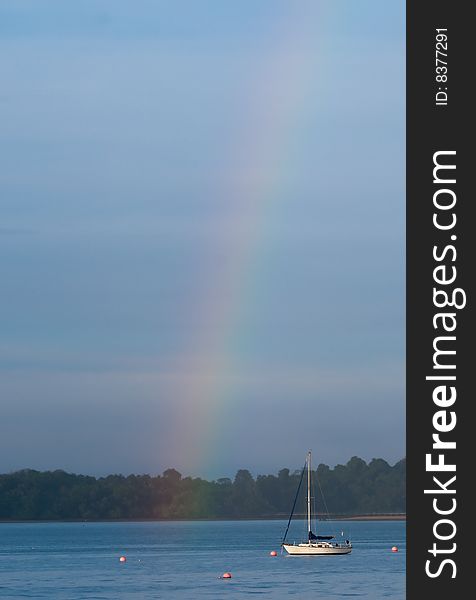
column 173, row 560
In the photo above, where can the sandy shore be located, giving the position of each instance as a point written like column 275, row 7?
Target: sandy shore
column 392, row 517
column 374, row 517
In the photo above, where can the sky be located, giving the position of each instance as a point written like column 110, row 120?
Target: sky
column 201, row 234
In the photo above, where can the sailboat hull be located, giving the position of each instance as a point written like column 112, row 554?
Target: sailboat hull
column 317, row 549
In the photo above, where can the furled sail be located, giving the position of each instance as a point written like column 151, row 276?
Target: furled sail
column 312, row 536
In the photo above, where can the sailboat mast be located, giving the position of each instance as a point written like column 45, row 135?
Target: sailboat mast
column 309, row 492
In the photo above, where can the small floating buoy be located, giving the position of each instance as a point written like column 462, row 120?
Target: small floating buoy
column 394, row 549
column 122, row 559
column 226, row 575
column 273, row 553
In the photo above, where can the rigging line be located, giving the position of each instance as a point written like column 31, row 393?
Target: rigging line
column 325, row 507
column 294, row 504
column 313, row 496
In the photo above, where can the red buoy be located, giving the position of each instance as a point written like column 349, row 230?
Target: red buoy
column 226, row 575
column 122, row 559
column 394, row 549
column 273, row 553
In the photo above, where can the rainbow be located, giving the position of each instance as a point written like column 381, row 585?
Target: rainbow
column 274, row 102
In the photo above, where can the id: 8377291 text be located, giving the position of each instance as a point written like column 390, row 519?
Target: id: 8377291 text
column 441, row 67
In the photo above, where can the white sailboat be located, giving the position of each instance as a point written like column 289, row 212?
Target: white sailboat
column 316, row 545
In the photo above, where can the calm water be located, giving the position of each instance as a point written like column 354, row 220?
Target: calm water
column 72, row 561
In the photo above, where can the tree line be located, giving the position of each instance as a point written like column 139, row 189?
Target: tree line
column 350, row 489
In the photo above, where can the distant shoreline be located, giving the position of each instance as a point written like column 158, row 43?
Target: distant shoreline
column 356, row 490
column 375, row 517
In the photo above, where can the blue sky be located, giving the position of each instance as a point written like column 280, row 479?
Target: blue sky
column 201, row 221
